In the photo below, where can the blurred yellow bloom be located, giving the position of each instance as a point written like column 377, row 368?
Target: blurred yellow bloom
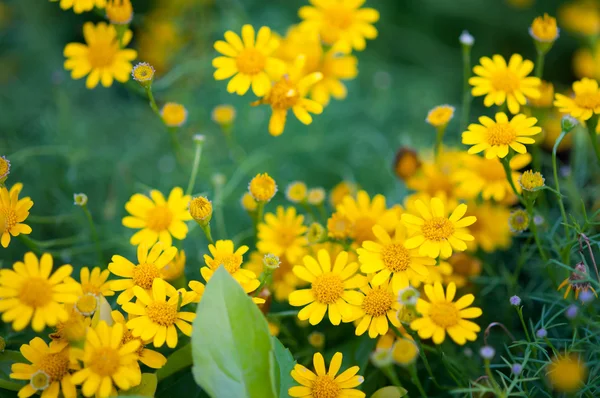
column 464, row 267
column 284, row 280
column 341, row 24
column 442, row 315
column 223, row 115
column 495, row 138
column 406, row 163
column 491, row 231
column 518, row 221
column 296, row 192
column 433, row 178
column 378, row 305
column 581, row 17
column 72, row 331
column 567, row 373
column 283, row 234
column 158, row 218
column 546, row 96
column 440, row 115
column 404, row 352
column 262, row 187
column 4, row 168
column 316, row 196
column 502, row 83
column 248, row 203
column 160, row 39
column 80, row 6
column 249, row 60
column 339, row 226
column 437, row 273
column 174, row 269
column 341, row 190
column 173, row 114
column 544, row 29
column 119, row 12
column 316, row 339
column 584, row 104
column 273, row 329
column 14, row 211
column 101, row 58
column 551, row 128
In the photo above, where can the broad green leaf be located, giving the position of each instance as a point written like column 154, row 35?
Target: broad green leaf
column 284, row 364
column 231, row 346
column 147, row 388
column 179, row 360
column 7, row 358
column 390, row 392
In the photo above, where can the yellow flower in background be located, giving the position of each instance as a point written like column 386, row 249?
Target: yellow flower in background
column 567, row 373
column 157, row 315
column 223, row 115
column 262, row 187
column 551, row 128
column 434, row 232
column 95, row 282
column 249, row 60
column 173, row 114
column 433, row 178
column 48, row 372
column 406, row 163
column 491, row 231
column 119, row 12
column 440, row 115
column 341, row 24
column 488, row 178
column 290, row 92
column 174, row 269
column 497, row 137
column 364, row 213
column 4, row 168
column 334, row 67
column 324, row 383
column 151, row 260
column 388, row 259
column 198, row 288
column 80, row 6
column 148, row 357
column 283, row 234
column 296, row 191
column 316, row 196
column 584, row 104
column 544, row 29
column 31, row 293
column 531, row 181
column 502, row 83
column 442, row 315
column 332, row 289
column 14, row 211
column 143, row 73
column 582, row 17
column 101, row 58
column 404, row 352
column 341, row 190
column 248, row 203
column 518, row 221
column 284, row 280
column 158, row 219
column 107, row 363
column 437, row 273
column 339, row 226
column 378, row 305
column 224, row 254
column 70, row 332
column 464, row 267
column 546, row 96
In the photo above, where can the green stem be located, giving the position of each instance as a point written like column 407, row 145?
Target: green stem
column 30, row 244
column 520, row 312
column 88, row 215
column 561, row 204
column 534, row 230
column 258, row 217
column 391, row 375
column 283, row 314
column 417, row 341
column 207, row 232
column 591, row 126
column 152, row 101
column 466, row 100
column 415, row 380
column 439, row 139
column 265, row 279
column 506, row 164
column 218, row 208
column 195, row 165
column 539, row 64
column 489, row 373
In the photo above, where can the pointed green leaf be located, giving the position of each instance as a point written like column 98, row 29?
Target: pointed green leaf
column 147, row 388
column 177, row 361
column 285, row 362
column 390, row 392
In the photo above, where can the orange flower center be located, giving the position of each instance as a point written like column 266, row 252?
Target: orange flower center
column 162, row 313
column 251, row 61
column 378, row 302
column 10, row 218
column 55, row 365
column 395, row 257
column 159, row 218
column 363, row 229
column 325, row 387
column 505, row 80
column 35, row 292
column 105, row 361
column 102, row 53
column 589, row 100
column 444, row 314
column 328, row 288
column 284, row 94
column 501, row 134
column 437, row 229
column 144, row 275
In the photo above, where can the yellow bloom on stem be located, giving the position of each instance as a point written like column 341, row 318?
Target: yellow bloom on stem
column 388, row 259
column 491, row 231
column 331, row 289
column 223, row 115
column 158, row 219
column 440, row 115
column 581, row 17
column 174, row 114
column 436, row 233
column 201, row 209
column 29, row 293
column 334, row 67
column 80, row 6
column 156, row 316
column 14, row 211
column 249, row 60
column 544, row 29
column 518, row 221
column 531, row 181
column 107, row 362
column 405, row 352
column 546, row 96
column 296, row 191
column 497, row 137
column 341, row 24
column 143, row 73
column 502, row 83
column 326, row 384
column 95, row 282
column 48, row 371
column 151, row 260
column 315, row 196
column 378, row 305
column 567, row 373
column 262, row 187
column 584, row 104
column 102, row 59
column 284, row 280
column 364, row 213
column 290, row 92
column 148, row 357
column 283, row 234
column 4, row 168
column 341, row 190
column 464, row 267
column 119, row 12
column 175, row 268
column 442, row 315
column 248, row 203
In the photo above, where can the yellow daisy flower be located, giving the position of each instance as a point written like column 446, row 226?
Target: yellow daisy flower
column 148, row 357
column 544, row 29
column 341, row 24
column 497, row 137
column 107, row 362
column 491, row 231
column 95, row 282
column 378, row 305
column 223, row 253
column 405, row 352
column 70, row 332
column 175, row 268
column 249, row 60
column 365, row 213
column 464, row 267
column 502, row 83
column 323, row 383
column 80, row 6
column 440, row 116
column 567, row 373
column 283, row 234
column 158, row 219
column 341, row 190
column 262, row 187
column 388, row 259
column 442, row 315
column 290, row 92
column 331, row 289
column 296, row 191
column 173, row 114
column 29, row 293
column 546, row 96
column 584, row 104
column 436, row 273
column 102, row 59
column 156, row 316
column 339, row 226
column 48, row 372
column 15, row 212
column 150, row 263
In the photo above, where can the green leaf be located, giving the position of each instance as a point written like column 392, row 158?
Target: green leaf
column 231, row 346
column 177, row 361
column 390, row 392
column 147, row 388
column 7, row 358
column 284, row 364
